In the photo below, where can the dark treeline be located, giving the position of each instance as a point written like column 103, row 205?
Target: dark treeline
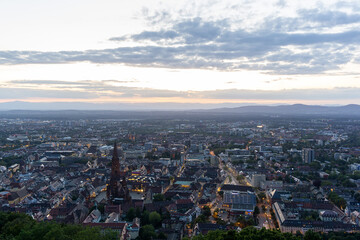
column 250, row 233
column 17, row 226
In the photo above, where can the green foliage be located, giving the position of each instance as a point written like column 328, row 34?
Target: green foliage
column 206, row 211
column 131, row 214
column 247, row 233
column 310, row 235
column 200, row 219
column 309, row 215
column 159, row 197
column 162, row 236
column 147, row 232
column 337, row 200
column 326, row 183
column 151, row 156
column 256, row 210
column 138, row 212
column 245, row 222
column 220, row 221
column 155, row 219
column 352, row 141
column 221, row 193
column 348, row 183
column 22, row 227
column 261, row 196
column 357, row 196
column 144, row 220
column 240, row 178
column 263, row 208
column 8, row 161
column 355, row 175
column 315, row 165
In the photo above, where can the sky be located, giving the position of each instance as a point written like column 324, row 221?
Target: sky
column 182, row 52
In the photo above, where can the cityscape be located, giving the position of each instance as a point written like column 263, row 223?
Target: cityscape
column 180, row 178
column 180, row 120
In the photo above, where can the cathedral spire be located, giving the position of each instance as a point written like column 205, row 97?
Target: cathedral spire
column 116, row 188
column 115, row 153
column 113, row 188
column 115, row 163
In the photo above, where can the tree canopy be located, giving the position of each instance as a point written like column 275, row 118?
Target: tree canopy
column 20, row 226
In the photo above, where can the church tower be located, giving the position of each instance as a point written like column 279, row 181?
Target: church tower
column 113, row 186
column 117, row 188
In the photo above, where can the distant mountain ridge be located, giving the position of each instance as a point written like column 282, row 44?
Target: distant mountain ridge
column 295, row 109
column 188, row 108
column 163, row 106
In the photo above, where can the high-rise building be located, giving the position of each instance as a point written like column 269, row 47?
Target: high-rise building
column 256, row 179
column 308, row 155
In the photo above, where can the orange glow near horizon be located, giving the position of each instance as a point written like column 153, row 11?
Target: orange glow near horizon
column 180, row 100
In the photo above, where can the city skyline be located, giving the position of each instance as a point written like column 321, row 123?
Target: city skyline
column 204, row 52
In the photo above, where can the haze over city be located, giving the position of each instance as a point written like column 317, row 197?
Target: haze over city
column 178, row 54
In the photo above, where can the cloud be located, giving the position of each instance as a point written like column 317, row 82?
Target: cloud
column 303, row 44
column 329, row 18
column 26, row 93
column 101, row 89
column 79, row 89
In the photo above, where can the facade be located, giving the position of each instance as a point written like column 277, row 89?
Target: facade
column 308, row 155
column 329, row 216
column 272, row 185
column 256, row 179
column 330, row 223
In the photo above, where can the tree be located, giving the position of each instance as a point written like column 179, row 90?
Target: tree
column 220, row 221
column 317, row 183
column 261, row 196
column 155, row 219
column 21, row 227
column 311, row 235
column 138, row 212
column 144, row 220
column 244, row 222
column 221, row 193
column 147, row 232
column 240, row 178
column 256, row 210
column 263, row 208
column 130, row 215
column 315, row 165
column 357, row 196
column 159, row 197
column 337, row 200
column 162, row 236
column 206, row 211
column 199, row 219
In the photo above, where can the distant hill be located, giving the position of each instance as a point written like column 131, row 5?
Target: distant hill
column 163, row 106
column 168, row 111
column 296, row 109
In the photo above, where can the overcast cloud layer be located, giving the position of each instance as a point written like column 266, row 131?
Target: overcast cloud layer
column 25, row 89
column 270, row 50
column 311, row 41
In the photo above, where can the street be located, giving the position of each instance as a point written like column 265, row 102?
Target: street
column 264, row 218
